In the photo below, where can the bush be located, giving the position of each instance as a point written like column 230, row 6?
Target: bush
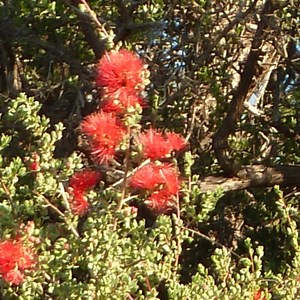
column 123, row 198
column 120, row 252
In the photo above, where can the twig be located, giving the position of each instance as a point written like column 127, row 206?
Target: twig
column 128, row 174
column 64, row 196
column 93, row 16
column 210, row 240
column 87, row 18
column 59, row 212
column 178, row 241
column 127, row 158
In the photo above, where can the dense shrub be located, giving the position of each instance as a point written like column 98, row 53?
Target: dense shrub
column 108, row 179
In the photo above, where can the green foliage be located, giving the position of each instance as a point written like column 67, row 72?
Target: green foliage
column 220, row 245
column 108, row 252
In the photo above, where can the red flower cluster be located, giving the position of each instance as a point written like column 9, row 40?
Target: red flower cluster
column 161, row 201
column 258, row 295
column 162, row 182
column 84, row 180
column 120, row 75
column 15, row 258
column 160, row 179
column 120, row 101
column 152, row 175
column 157, row 146
column 105, row 133
column 34, row 165
column 119, row 69
column 79, row 183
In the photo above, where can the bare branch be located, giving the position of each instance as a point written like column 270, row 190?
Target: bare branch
column 86, row 21
column 253, row 177
column 236, row 108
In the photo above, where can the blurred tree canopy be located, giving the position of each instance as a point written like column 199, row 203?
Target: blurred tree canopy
column 225, row 74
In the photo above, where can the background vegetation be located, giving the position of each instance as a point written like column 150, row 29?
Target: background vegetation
column 225, row 75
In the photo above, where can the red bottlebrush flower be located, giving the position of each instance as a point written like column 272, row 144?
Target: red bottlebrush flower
column 100, row 124
column 101, row 152
column 84, row 180
column 15, row 258
column 154, row 144
column 33, row 163
column 153, row 176
column 161, row 201
column 120, row 101
column 105, row 133
column 14, row 276
column 78, row 203
column 147, row 177
column 176, row 141
column 162, row 180
column 79, row 183
column 34, row 166
column 119, row 69
column 170, row 179
column 258, row 296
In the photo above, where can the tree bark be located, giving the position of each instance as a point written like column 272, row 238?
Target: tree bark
column 88, row 29
column 220, row 140
column 252, row 177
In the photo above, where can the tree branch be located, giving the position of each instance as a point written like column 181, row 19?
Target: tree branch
column 85, row 21
column 206, row 55
column 220, row 140
column 253, row 177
